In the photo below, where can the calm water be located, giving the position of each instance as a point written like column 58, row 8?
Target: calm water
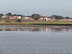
column 35, row 39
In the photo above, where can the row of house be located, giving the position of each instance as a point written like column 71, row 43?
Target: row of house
column 40, row 19
column 70, row 19
column 28, row 18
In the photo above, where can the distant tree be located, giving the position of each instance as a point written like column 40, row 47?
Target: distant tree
column 56, row 17
column 9, row 14
column 35, row 16
column 18, row 15
column 67, row 17
column 1, row 15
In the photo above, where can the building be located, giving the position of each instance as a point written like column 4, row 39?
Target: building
column 40, row 19
column 27, row 18
column 46, row 19
column 31, row 19
column 15, row 17
column 67, row 19
column 53, row 19
column 5, row 17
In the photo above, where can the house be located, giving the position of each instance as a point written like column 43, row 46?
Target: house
column 5, row 17
column 46, row 19
column 28, row 18
column 60, row 20
column 31, row 19
column 15, row 17
column 53, row 19
column 40, row 19
column 19, row 17
column 67, row 19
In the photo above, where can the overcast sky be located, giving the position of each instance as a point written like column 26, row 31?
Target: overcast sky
column 42, row 7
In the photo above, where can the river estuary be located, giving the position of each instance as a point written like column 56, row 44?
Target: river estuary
column 20, row 39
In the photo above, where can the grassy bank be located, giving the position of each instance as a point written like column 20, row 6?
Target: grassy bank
column 38, row 23
column 50, row 22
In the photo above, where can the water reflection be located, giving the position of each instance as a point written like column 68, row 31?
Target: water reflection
column 36, row 42
column 35, row 28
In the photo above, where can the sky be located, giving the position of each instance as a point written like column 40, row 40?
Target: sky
column 42, row 7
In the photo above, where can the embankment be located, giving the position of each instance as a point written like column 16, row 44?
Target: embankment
column 35, row 24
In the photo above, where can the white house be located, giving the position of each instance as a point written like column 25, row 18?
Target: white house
column 18, row 17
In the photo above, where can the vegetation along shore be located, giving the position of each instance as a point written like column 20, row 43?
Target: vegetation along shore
column 54, row 23
column 34, row 19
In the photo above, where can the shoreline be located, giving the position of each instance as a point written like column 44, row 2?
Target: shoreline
column 35, row 24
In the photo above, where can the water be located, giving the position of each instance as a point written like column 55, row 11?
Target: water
column 35, row 39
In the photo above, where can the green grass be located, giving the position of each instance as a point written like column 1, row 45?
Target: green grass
column 50, row 22
column 37, row 22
